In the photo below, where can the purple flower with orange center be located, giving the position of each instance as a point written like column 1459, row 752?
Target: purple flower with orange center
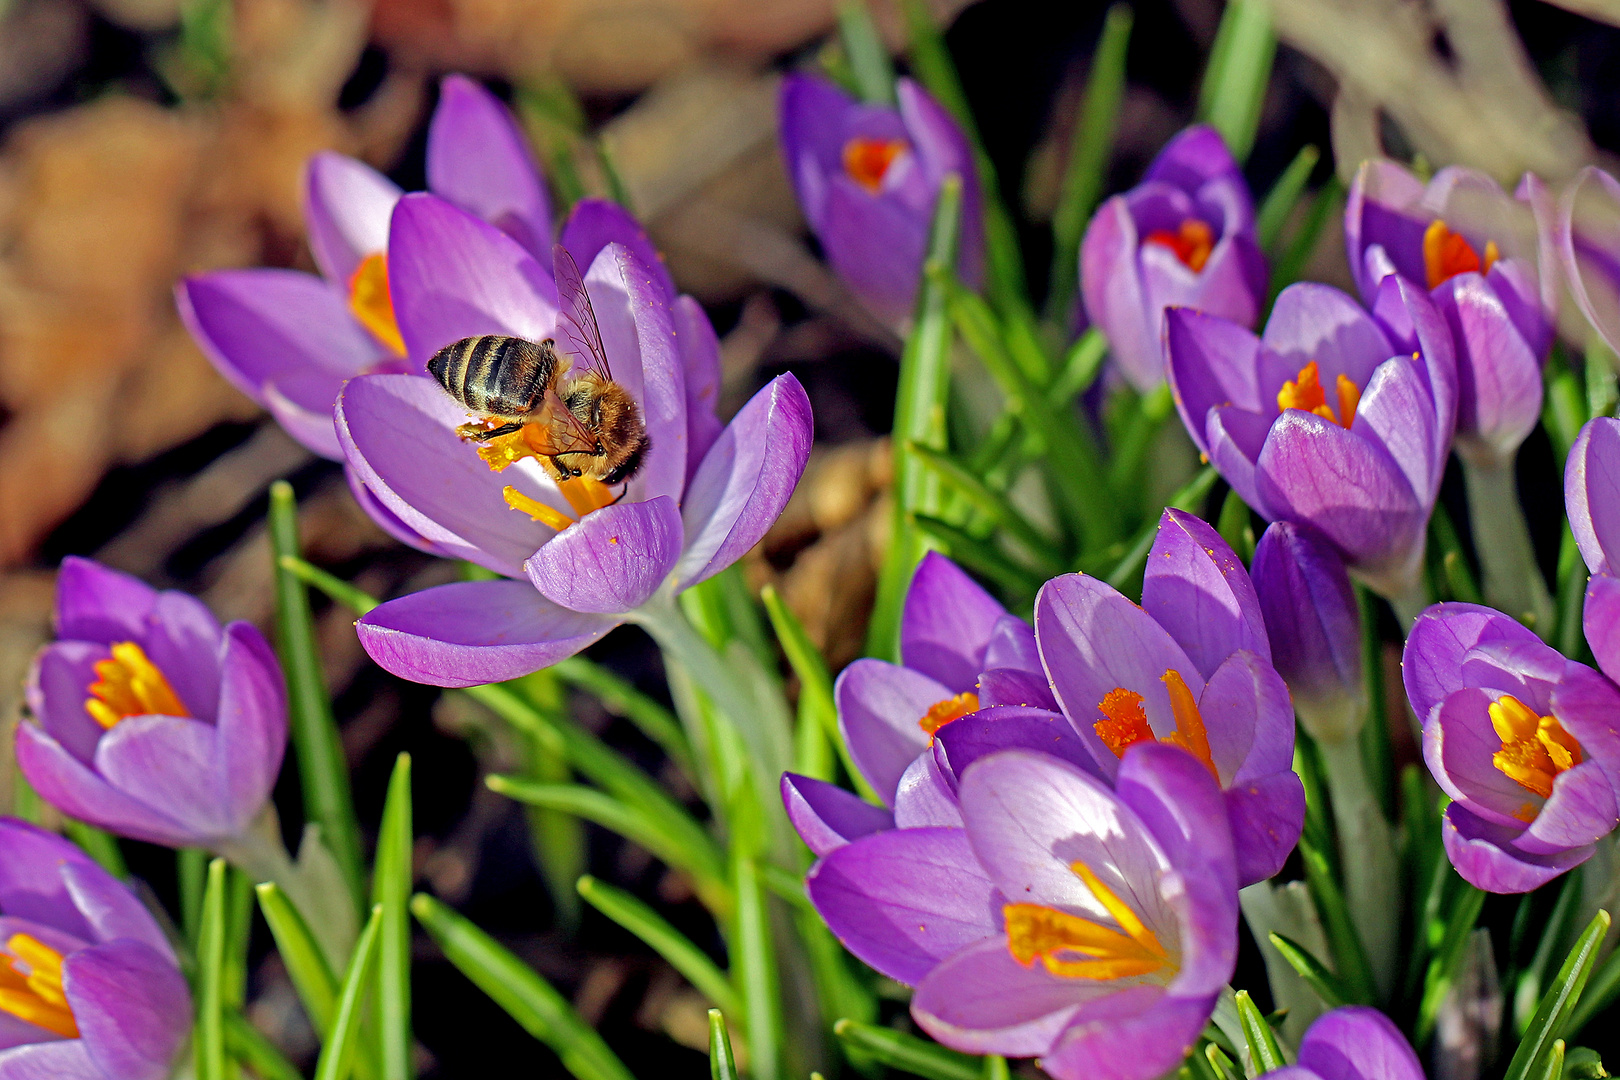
column 89, row 987
column 1184, row 236
column 867, row 177
column 153, row 721
column 1191, row 666
column 1087, row 925
column 1524, row 741
column 1363, row 466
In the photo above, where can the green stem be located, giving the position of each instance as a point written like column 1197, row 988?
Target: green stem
column 1507, row 560
column 1367, row 856
column 259, row 854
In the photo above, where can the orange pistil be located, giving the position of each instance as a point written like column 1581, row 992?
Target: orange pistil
column 371, row 303
column 941, row 713
column 1306, row 392
column 1126, row 723
column 1074, row 947
column 1190, row 733
column 867, row 161
column 1447, row 254
column 31, row 986
column 585, row 494
column 1191, row 242
column 129, row 684
column 1535, row 749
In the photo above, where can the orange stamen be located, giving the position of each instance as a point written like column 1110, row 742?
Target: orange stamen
column 1125, row 724
column 867, row 161
column 1535, row 749
column 1190, row 733
column 372, row 304
column 586, row 494
column 31, row 986
column 1447, row 254
column 1305, row 392
column 129, row 684
column 1192, row 242
column 941, row 713
column 1059, row 940
column 1349, row 398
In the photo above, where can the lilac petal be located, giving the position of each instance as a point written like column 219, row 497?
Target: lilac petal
column 1031, row 816
column 67, row 1059
column 1194, row 157
column 946, row 624
column 31, row 884
column 131, row 1006
column 905, row 899
column 308, row 425
column 168, row 763
column 1588, row 238
column 1592, row 492
column 475, row 632
column 110, row 909
column 1224, row 287
column 1530, row 672
column 1498, row 377
column 924, row 798
column 251, row 729
column 879, row 709
column 384, row 518
column 967, row 739
column 453, row 275
column 479, row 160
column 1093, row 641
column 983, row 1001
column 814, row 122
column 1267, row 815
column 1601, row 619
column 1416, row 328
column 1458, row 746
column 593, row 224
column 399, row 436
column 876, row 245
column 1012, row 645
column 745, row 481
column 1582, row 810
column 184, row 640
column 1398, row 414
column 1249, row 719
column 1235, row 438
column 1377, row 214
column 1318, row 322
column 942, row 148
column 95, row 603
column 15, row 1032
column 613, row 560
column 1013, row 686
column 1312, row 620
column 1587, row 705
column 1196, row 588
column 1439, row 642
column 826, row 816
column 1212, row 362
column 1483, row 855
column 76, row 789
column 700, row 361
column 346, row 208
column 1357, row 1043
column 58, row 686
column 1151, row 1043
column 1115, row 296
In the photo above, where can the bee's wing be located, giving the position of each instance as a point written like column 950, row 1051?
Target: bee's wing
column 578, row 322
column 564, row 433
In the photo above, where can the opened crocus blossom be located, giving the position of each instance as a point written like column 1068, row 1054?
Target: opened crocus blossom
column 1587, row 239
column 89, row 987
column 1525, row 742
column 153, row 721
column 1352, row 1043
column 1333, row 416
column 1183, row 236
column 1190, row 666
column 583, row 557
column 1089, row 926
column 867, row 177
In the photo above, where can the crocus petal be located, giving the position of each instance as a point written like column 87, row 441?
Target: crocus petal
column 613, row 560
column 746, row 479
column 383, row 517
column 67, row 1059
column 700, row 361
column 76, row 789
column 1440, row 641
column 1459, row 745
column 1375, row 215
column 942, row 149
column 1211, row 362
column 813, row 122
column 109, row 909
column 1589, row 707
column 946, row 624
column 131, row 1006
column 1151, row 1043
column 1357, row 1043
column 1498, row 376
column 475, row 632
column 1318, row 322
column 1601, row 619
column 879, row 709
column 479, row 160
column 58, row 685
column 1191, row 159
column 1249, row 719
column 924, row 798
column 1115, row 296
column 1397, row 413
column 346, row 208
column 168, row 762
column 1592, row 492
column 95, row 603
column 960, row 743
column 826, row 816
column 1014, row 686
column 1312, row 622
column 1483, row 855
column 876, row 245
column 1196, row 588
column 1235, row 438
column 593, row 224
column 1582, row 810
column 905, row 899
column 1588, row 237
column 1012, row 645
column 183, row 639
column 1266, row 815
column 251, row 727
column 31, row 885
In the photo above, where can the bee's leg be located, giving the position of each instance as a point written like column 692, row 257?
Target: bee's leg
column 479, row 434
column 622, row 493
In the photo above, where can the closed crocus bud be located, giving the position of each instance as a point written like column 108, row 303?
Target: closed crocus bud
column 1315, row 631
column 867, row 177
column 1184, row 236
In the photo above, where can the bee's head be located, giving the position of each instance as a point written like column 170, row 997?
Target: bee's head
column 615, row 419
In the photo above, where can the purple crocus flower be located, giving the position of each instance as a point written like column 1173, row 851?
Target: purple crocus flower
column 1333, row 416
column 1474, row 247
column 1092, row 927
column 1192, row 666
column 867, row 177
column 1524, row 741
column 289, row 340
column 154, row 722
column 89, row 987
column 1184, row 236
column 1352, row 1043
column 582, row 558
column 1586, row 236
column 1592, row 502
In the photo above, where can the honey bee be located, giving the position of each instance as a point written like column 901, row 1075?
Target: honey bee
column 580, row 422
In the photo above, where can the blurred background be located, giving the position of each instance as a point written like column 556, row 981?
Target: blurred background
column 145, row 139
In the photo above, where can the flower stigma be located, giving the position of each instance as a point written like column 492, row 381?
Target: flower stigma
column 1191, row 242
column 867, row 161
column 371, row 303
column 941, row 713
column 31, row 986
column 1535, row 749
column 1074, row 947
column 1305, row 392
column 1125, row 724
column 1447, row 254
column 584, row 493
column 129, row 684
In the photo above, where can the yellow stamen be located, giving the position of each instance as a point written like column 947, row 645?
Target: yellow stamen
column 1447, row 254
column 538, row 511
column 1056, row 937
column 1190, row 733
column 1492, row 255
column 129, row 684
column 1126, row 724
column 31, row 986
column 372, row 304
column 586, row 494
column 1535, row 749
column 1349, row 398
column 867, row 161
column 941, row 713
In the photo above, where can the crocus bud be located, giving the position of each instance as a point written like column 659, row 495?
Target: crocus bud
column 1183, row 237
column 867, row 177
column 1587, row 238
column 1315, row 632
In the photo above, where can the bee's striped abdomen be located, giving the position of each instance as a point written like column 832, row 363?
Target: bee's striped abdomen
column 494, row 373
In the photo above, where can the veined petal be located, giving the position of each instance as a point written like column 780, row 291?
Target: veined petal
column 251, row 727
column 66, row 1059
column 75, row 788
column 56, row 693
column 479, row 160
column 1588, row 239
column 168, row 763
column 131, row 1006
column 1498, row 377
column 946, row 623
column 960, row 743
column 1318, row 322
column 1357, row 1043
column 1212, row 362
column 879, row 709
column 1439, row 643
column 593, row 224
column 924, row 798
column 700, row 361
column 613, row 560
column 1136, row 1047
column 346, row 208
column 1482, row 854
column 95, row 603
column 1197, row 589
column 1115, row 295
column 826, row 816
column 1601, row 619
column 1592, row 492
